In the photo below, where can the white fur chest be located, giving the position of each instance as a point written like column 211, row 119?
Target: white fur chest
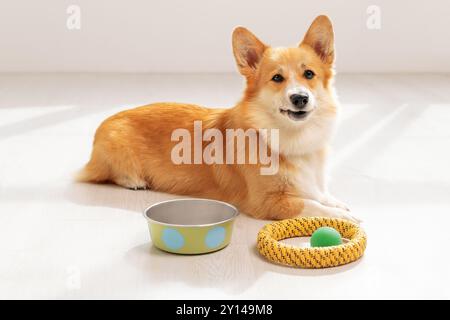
column 307, row 176
column 313, row 137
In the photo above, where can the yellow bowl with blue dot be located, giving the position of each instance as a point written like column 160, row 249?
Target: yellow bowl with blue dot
column 191, row 226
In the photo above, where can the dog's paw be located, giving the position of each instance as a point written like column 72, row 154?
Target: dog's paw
column 330, row 201
column 343, row 214
column 313, row 208
column 137, row 188
column 132, row 184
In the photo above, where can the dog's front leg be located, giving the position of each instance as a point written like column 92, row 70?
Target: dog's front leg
column 325, row 197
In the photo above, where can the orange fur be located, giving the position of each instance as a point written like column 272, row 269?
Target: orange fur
column 133, row 147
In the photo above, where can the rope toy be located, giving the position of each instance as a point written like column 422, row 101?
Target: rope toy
column 323, row 257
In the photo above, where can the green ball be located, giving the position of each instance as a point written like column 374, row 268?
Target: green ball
column 325, row 237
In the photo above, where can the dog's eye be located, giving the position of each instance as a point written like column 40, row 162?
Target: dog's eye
column 277, row 78
column 309, row 74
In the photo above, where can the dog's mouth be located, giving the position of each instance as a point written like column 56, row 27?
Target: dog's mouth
column 295, row 115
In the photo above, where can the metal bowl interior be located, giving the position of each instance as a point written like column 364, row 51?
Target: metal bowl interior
column 191, row 212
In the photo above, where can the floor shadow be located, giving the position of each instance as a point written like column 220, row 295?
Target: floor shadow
column 233, row 269
column 229, row 269
column 376, row 134
column 113, row 196
column 45, row 120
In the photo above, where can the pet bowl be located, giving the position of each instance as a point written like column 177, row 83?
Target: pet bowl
column 190, row 226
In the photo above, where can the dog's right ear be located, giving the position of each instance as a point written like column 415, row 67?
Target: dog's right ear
column 248, row 50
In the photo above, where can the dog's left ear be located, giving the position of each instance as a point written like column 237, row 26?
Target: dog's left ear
column 320, row 37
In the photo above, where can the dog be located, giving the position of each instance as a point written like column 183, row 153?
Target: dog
column 287, row 89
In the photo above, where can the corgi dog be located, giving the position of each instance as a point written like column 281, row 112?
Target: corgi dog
column 287, row 89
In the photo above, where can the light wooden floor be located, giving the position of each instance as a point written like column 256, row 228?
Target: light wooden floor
column 59, row 239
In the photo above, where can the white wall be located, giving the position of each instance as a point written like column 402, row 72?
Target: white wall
column 194, row 35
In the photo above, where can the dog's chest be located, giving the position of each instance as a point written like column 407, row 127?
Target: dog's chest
column 305, row 172
column 307, row 141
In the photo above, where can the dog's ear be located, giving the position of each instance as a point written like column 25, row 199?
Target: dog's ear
column 320, row 37
column 248, row 50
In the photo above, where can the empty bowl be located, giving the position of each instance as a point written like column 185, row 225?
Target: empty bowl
column 191, row 226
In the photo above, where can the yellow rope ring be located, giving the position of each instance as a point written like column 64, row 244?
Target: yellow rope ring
column 318, row 257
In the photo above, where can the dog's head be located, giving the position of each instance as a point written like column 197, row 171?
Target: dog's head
column 287, row 85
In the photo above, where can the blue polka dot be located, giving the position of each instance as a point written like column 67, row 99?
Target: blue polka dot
column 215, row 237
column 172, row 239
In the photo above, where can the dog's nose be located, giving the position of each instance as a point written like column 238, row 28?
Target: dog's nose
column 299, row 100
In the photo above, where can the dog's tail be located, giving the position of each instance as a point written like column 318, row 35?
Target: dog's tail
column 94, row 171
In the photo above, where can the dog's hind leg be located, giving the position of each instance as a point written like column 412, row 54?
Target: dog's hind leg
column 117, row 167
column 126, row 171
